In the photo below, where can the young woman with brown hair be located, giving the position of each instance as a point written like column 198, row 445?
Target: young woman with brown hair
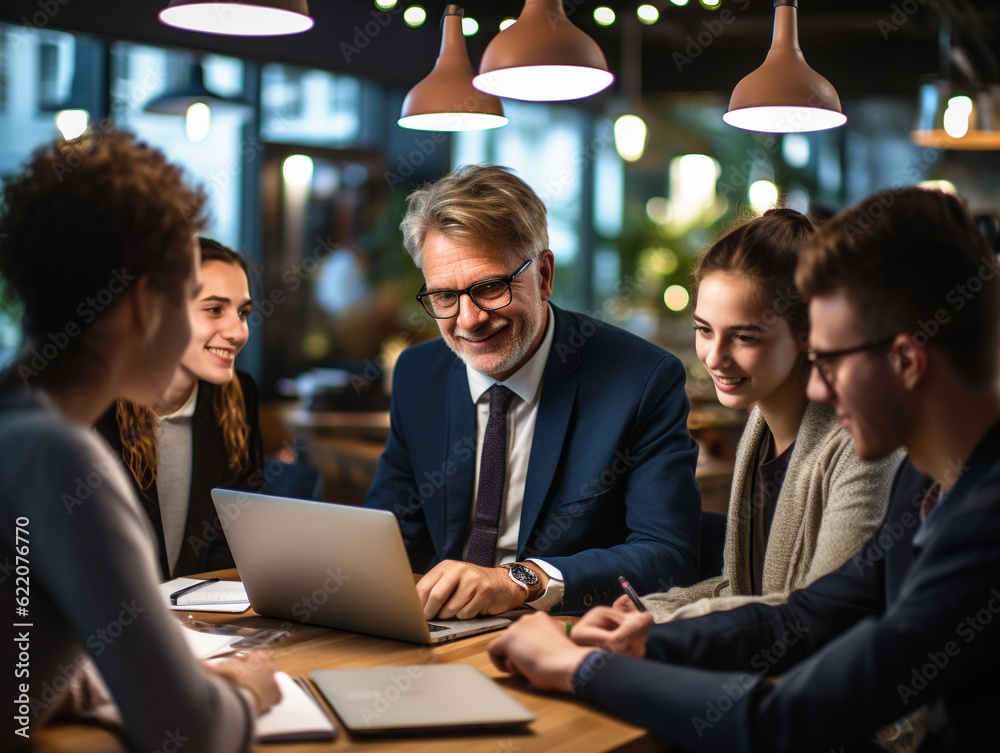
column 204, row 430
column 802, row 502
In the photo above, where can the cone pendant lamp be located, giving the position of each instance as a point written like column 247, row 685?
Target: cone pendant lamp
column 543, row 58
column 785, row 95
column 446, row 100
column 239, row 18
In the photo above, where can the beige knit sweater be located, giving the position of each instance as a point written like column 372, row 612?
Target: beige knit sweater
column 830, row 503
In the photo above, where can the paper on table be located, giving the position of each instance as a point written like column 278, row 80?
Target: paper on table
column 206, row 645
column 297, row 716
column 224, row 596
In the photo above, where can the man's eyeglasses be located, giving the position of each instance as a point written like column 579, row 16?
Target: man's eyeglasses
column 825, row 361
column 489, row 295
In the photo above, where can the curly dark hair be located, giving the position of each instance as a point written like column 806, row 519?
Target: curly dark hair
column 88, row 216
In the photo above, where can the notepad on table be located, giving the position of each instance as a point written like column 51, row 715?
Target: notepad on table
column 221, row 596
column 298, row 716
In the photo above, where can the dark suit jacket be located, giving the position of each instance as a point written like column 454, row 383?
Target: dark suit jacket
column 204, row 547
column 610, row 485
column 912, row 620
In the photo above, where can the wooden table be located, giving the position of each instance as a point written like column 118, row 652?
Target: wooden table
column 562, row 724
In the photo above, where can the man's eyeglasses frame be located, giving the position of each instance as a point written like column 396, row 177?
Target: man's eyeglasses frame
column 823, row 359
column 425, row 294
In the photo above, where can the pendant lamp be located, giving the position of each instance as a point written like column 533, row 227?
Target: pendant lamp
column 446, row 100
column 196, row 102
column 543, row 58
column 785, row 95
column 177, row 101
column 240, row 18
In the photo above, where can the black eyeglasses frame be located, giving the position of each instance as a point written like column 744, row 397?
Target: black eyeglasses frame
column 507, row 280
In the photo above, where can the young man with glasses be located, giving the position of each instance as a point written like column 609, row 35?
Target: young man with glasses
column 535, row 454
column 902, row 643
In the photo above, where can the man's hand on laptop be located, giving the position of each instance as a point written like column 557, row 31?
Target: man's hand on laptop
column 463, row 590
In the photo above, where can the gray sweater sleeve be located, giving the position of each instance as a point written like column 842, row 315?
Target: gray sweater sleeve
column 94, row 590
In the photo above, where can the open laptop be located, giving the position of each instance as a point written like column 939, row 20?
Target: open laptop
column 418, row 698
column 332, row 565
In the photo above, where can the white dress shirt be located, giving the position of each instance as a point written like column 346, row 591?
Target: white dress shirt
column 526, row 384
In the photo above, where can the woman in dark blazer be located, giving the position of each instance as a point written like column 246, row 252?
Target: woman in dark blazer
column 205, row 430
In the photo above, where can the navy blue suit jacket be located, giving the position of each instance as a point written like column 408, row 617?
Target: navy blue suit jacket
column 610, row 485
column 912, row 620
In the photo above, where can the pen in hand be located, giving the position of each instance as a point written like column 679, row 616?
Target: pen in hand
column 188, row 589
column 630, row 592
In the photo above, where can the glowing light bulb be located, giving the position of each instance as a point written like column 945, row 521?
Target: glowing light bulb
column 630, row 137
column 197, row 122
column 297, row 169
column 604, row 15
column 414, row 16
column 72, row 123
column 763, row 195
column 648, row 14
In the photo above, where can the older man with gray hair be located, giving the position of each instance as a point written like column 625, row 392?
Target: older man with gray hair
column 535, row 454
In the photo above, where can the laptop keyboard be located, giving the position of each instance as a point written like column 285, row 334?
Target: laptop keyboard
column 436, row 628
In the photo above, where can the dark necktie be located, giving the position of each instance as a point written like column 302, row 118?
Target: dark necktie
column 492, row 469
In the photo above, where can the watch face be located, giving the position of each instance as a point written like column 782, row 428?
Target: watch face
column 524, row 574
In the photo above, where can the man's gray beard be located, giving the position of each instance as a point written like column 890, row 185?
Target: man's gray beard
column 518, row 352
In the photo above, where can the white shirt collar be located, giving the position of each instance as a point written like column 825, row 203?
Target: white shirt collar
column 526, row 380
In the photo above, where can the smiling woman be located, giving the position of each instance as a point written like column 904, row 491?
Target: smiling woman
column 204, row 431
column 802, row 501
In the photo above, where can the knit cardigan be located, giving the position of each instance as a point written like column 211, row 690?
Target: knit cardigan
column 830, row 503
